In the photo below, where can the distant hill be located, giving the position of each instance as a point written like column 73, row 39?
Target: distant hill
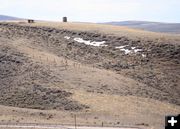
column 4, row 18
column 150, row 26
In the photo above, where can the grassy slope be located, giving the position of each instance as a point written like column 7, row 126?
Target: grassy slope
column 112, row 30
column 90, row 86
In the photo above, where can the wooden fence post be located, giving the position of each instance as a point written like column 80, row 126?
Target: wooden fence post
column 75, row 122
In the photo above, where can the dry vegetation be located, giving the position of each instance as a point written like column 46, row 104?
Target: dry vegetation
column 52, row 78
column 133, row 34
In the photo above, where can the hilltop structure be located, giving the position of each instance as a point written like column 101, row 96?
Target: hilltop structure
column 64, row 19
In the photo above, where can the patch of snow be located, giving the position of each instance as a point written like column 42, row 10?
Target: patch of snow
column 127, row 51
column 80, row 40
column 88, row 42
column 67, row 37
column 99, row 43
column 143, row 55
column 120, row 47
column 137, row 50
column 133, row 48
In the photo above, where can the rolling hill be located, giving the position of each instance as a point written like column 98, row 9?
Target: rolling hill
column 150, row 26
column 5, row 18
column 50, row 71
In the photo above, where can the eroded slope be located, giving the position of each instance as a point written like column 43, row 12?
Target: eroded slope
column 156, row 65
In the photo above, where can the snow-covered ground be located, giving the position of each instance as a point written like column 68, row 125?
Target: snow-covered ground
column 88, row 42
column 132, row 50
column 143, row 55
column 121, row 47
column 67, row 37
column 102, row 43
column 127, row 51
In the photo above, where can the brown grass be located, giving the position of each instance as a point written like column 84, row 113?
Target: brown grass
column 104, row 91
column 111, row 30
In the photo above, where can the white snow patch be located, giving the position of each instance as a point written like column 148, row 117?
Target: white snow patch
column 88, row 42
column 80, row 40
column 133, row 48
column 67, row 37
column 94, row 43
column 120, row 47
column 143, row 55
column 127, row 51
column 137, row 50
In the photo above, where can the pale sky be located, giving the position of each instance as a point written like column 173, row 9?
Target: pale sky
column 93, row 10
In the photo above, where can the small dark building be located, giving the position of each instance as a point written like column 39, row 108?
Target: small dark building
column 30, row 21
column 64, row 19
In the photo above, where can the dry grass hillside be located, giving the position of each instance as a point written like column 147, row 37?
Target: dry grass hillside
column 46, row 76
column 114, row 31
